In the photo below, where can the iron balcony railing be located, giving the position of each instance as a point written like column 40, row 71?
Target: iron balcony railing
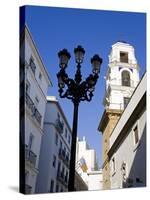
column 28, row 189
column 59, row 126
column 120, row 82
column 30, row 156
column 116, row 106
column 64, row 157
column 66, row 161
column 33, row 109
column 33, row 66
column 62, row 178
column 66, row 181
column 38, row 116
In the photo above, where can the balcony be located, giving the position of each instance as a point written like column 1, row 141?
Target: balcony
column 67, row 161
column 118, row 82
column 66, row 181
column 59, row 126
column 28, row 189
column 62, row 154
column 62, row 179
column 30, row 156
column 33, row 109
column 38, row 116
column 33, row 66
column 115, row 106
column 64, row 157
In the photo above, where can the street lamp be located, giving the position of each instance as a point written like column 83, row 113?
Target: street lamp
column 76, row 90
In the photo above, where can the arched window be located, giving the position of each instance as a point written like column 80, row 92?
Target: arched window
column 125, row 78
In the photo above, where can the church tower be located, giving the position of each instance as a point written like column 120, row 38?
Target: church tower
column 121, row 78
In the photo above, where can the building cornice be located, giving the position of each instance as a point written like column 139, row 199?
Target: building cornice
column 105, row 118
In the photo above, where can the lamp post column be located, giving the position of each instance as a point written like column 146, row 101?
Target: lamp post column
column 76, row 90
column 73, row 148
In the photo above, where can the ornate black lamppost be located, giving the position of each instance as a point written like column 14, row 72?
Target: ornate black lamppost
column 76, row 90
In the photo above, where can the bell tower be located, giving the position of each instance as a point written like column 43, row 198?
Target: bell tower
column 121, row 78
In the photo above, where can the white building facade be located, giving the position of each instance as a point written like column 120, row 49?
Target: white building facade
column 89, row 155
column 127, row 152
column 95, row 180
column 55, row 150
column 86, row 165
column 36, row 86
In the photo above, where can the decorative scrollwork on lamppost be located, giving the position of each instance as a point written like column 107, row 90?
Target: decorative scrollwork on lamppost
column 76, row 90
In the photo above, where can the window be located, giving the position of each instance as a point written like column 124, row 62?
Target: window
column 52, row 186
column 125, row 78
column 63, row 169
column 31, row 138
column 40, row 76
column 123, row 57
column 56, row 139
column 26, row 176
column 60, row 144
column 64, row 150
column 36, row 101
column 54, row 161
column 32, row 65
column 66, row 133
column 126, row 101
column 124, row 171
column 62, row 124
column 58, row 168
column 27, row 87
column 66, row 177
column 69, row 139
column 113, row 166
column 67, row 174
column 57, row 188
column 138, row 180
column 67, row 156
column 58, row 116
column 136, row 135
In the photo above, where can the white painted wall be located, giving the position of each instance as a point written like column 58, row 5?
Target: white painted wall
column 88, row 154
column 133, row 155
column 92, row 177
column 37, row 88
column 49, row 148
column 95, row 180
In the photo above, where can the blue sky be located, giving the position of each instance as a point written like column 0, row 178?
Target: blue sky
column 56, row 28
